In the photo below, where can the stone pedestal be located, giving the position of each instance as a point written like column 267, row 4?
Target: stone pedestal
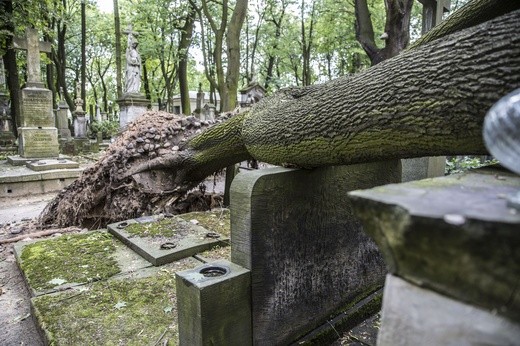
column 413, row 315
column 62, row 121
column 131, row 106
column 214, row 305
column 308, row 255
column 454, row 235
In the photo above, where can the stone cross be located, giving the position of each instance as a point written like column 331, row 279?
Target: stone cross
column 33, row 47
column 129, row 31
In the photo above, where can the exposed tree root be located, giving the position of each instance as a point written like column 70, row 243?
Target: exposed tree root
column 106, row 192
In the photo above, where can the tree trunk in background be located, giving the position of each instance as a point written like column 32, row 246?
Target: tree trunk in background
column 278, row 32
column 13, row 84
column 233, row 55
column 60, row 61
column 146, row 83
column 83, row 75
column 397, row 29
column 430, row 100
column 117, row 29
column 184, row 46
column 306, row 44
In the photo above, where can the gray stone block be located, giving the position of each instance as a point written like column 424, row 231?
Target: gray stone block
column 214, row 305
column 36, row 108
column 414, row 315
column 453, row 234
column 131, row 106
column 38, row 142
column 308, row 255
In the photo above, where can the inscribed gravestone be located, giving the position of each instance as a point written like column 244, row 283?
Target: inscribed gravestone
column 38, row 136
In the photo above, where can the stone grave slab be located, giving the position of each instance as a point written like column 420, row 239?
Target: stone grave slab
column 454, row 235
column 50, row 164
column 136, row 307
column 162, row 239
column 74, row 260
column 20, row 180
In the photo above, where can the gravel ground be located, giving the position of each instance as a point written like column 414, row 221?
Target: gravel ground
column 17, row 326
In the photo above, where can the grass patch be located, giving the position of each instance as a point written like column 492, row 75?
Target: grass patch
column 114, row 312
column 73, row 258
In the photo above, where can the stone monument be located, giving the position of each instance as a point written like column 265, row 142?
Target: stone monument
column 132, row 103
column 200, row 100
column 37, row 133
column 62, row 119
column 81, row 141
column 208, row 112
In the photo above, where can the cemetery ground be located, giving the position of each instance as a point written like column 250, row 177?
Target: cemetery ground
column 86, row 287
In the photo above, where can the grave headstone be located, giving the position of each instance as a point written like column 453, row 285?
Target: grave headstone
column 208, row 112
column 81, row 142
column 308, row 255
column 62, row 121
column 98, row 113
column 37, row 134
column 200, row 100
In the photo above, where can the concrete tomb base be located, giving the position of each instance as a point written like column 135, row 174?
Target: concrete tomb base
column 22, row 181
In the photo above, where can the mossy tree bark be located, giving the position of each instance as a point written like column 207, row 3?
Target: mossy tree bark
column 430, row 100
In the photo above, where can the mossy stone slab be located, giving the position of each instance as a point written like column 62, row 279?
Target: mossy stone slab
column 132, row 308
column 161, row 240
column 455, row 235
column 73, row 260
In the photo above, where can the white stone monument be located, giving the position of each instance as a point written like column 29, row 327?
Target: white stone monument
column 132, row 104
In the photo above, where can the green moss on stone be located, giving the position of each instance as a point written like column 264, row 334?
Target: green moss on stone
column 166, row 227
column 73, row 258
column 214, row 221
column 115, row 312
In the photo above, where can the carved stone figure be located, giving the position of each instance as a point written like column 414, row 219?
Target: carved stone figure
column 133, row 66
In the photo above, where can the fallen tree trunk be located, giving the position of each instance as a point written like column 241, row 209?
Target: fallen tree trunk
column 429, row 100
